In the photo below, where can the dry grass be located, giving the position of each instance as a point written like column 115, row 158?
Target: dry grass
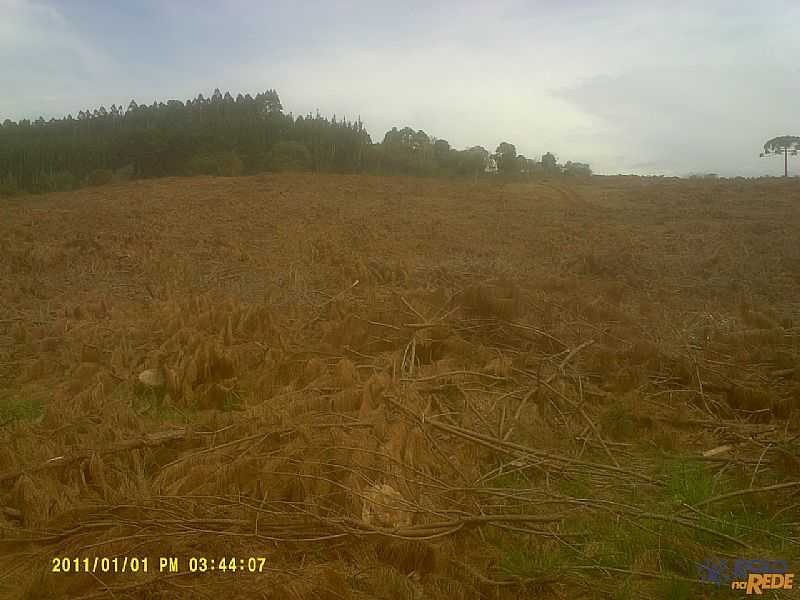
column 399, row 388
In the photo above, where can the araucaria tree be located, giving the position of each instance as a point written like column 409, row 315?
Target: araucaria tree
column 784, row 144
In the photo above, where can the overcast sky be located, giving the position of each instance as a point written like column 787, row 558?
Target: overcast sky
column 629, row 86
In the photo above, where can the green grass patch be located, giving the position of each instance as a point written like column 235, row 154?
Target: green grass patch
column 688, row 481
column 752, row 527
column 676, row 589
column 512, row 480
column 169, row 414
column 21, row 408
column 233, row 401
column 528, row 560
column 617, row 421
column 575, row 486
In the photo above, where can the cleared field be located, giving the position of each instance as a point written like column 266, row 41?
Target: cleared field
column 399, row 388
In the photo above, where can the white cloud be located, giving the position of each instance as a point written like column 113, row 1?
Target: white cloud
column 667, row 86
column 44, row 61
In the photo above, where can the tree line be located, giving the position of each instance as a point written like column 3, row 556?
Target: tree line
column 223, row 135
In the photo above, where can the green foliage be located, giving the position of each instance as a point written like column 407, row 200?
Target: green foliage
column 226, row 164
column 617, row 420
column 289, row 156
column 576, row 486
column 218, row 135
column 100, row 177
column 441, row 148
column 676, row 589
column 229, row 164
column 232, row 402
column 201, row 165
column 20, row 408
column 748, row 524
column 166, row 413
column 123, row 174
column 515, row 478
column 524, row 560
column 688, row 481
column 506, row 149
column 57, row 182
column 8, row 189
column 549, row 162
column 506, row 156
column 576, row 169
column 470, row 162
column 778, row 144
column 221, row 135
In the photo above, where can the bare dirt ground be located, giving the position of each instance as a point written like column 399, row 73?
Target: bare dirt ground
column 398, row 388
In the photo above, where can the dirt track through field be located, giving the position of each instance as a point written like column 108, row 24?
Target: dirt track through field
column 399, row 388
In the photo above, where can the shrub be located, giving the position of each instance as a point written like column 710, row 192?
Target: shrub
column 201, row 165
column 289, row 156
column 227, row 164
column 576, row 169
column 8, row 189
column 100, row 177
column 123, row 174
column 57, row 182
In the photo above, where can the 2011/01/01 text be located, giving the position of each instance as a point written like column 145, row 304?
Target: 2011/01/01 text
column 166, row 564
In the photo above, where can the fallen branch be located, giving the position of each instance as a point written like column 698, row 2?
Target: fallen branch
column 148, row 440
column 736, row 494
column 573, row 352
column 454, row 373
column 514, row 449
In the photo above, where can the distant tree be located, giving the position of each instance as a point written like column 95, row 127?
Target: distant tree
column 100, row 177
column 549, row 163
column 471, row 162
column 405, row 151
column 226, row 163
column 506, row 157
column 784, row 144
column 222, row 136
column 8, row 189
column 273, row 102
column 479, row 150
column 441, row 147
column 576, row 169
column 401, row 137
column 229, row 164
column 289, row 156
column 57, row 182
column 419, row 140
column 507, row 149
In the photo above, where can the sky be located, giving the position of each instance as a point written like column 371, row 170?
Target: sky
column 642, row 87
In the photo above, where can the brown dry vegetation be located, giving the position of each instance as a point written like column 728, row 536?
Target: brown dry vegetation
column 399, row 388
